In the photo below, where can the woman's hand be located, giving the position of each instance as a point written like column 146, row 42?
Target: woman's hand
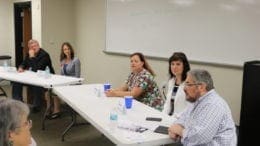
column 110, row 93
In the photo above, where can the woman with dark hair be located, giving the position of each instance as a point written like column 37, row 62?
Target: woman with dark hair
column 14, row 124
column 140, row 83
column 70, row 66
column 175, row 97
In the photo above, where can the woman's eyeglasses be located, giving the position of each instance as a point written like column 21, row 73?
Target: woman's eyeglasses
column 28, row 124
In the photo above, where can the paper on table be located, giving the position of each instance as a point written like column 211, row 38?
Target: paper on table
column 134, row 136
column 131, row 126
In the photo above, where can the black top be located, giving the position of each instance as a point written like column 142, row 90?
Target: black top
column 39, row 62
column 174, row 91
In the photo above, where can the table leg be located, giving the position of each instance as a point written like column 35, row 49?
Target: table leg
column 48, row 109
column 73, row 123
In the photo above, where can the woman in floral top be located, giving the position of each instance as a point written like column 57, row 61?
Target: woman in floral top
column 140, row 84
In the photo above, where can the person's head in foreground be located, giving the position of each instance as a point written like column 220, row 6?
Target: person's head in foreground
column 14, row 124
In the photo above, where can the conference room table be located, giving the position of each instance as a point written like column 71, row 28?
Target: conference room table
column 90, row 102
column 38, row 79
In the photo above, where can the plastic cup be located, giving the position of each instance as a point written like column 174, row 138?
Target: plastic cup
column 128, row 102
column 107, row 86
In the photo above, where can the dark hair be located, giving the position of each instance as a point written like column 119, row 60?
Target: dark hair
column 62, row 55
column 146, row 65
column 179, row 56
column 11, row 112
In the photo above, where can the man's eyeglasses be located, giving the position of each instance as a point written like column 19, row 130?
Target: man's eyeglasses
column 28, row 124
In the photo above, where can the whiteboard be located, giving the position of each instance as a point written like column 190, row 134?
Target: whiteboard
column 211, row 31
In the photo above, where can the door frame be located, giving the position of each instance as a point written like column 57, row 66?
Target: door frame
column 23, row 29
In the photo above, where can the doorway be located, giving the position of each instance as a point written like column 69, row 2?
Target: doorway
column 23, row 33
column 23, row 30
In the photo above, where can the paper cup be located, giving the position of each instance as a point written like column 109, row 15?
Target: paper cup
column 128, row 102
column 107, row 86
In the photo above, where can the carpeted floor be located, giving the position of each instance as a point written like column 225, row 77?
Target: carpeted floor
column 78, row 136
column 84, row 135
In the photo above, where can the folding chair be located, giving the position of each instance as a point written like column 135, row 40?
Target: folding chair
column 2, row 91
column 4, row 58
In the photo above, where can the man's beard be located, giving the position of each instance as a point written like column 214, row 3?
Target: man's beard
column 191, row 100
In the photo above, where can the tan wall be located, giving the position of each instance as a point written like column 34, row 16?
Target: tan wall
column 7, row 43
column 6, row 19
column 99, row 67
column 82, row 22
column 58, row 26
